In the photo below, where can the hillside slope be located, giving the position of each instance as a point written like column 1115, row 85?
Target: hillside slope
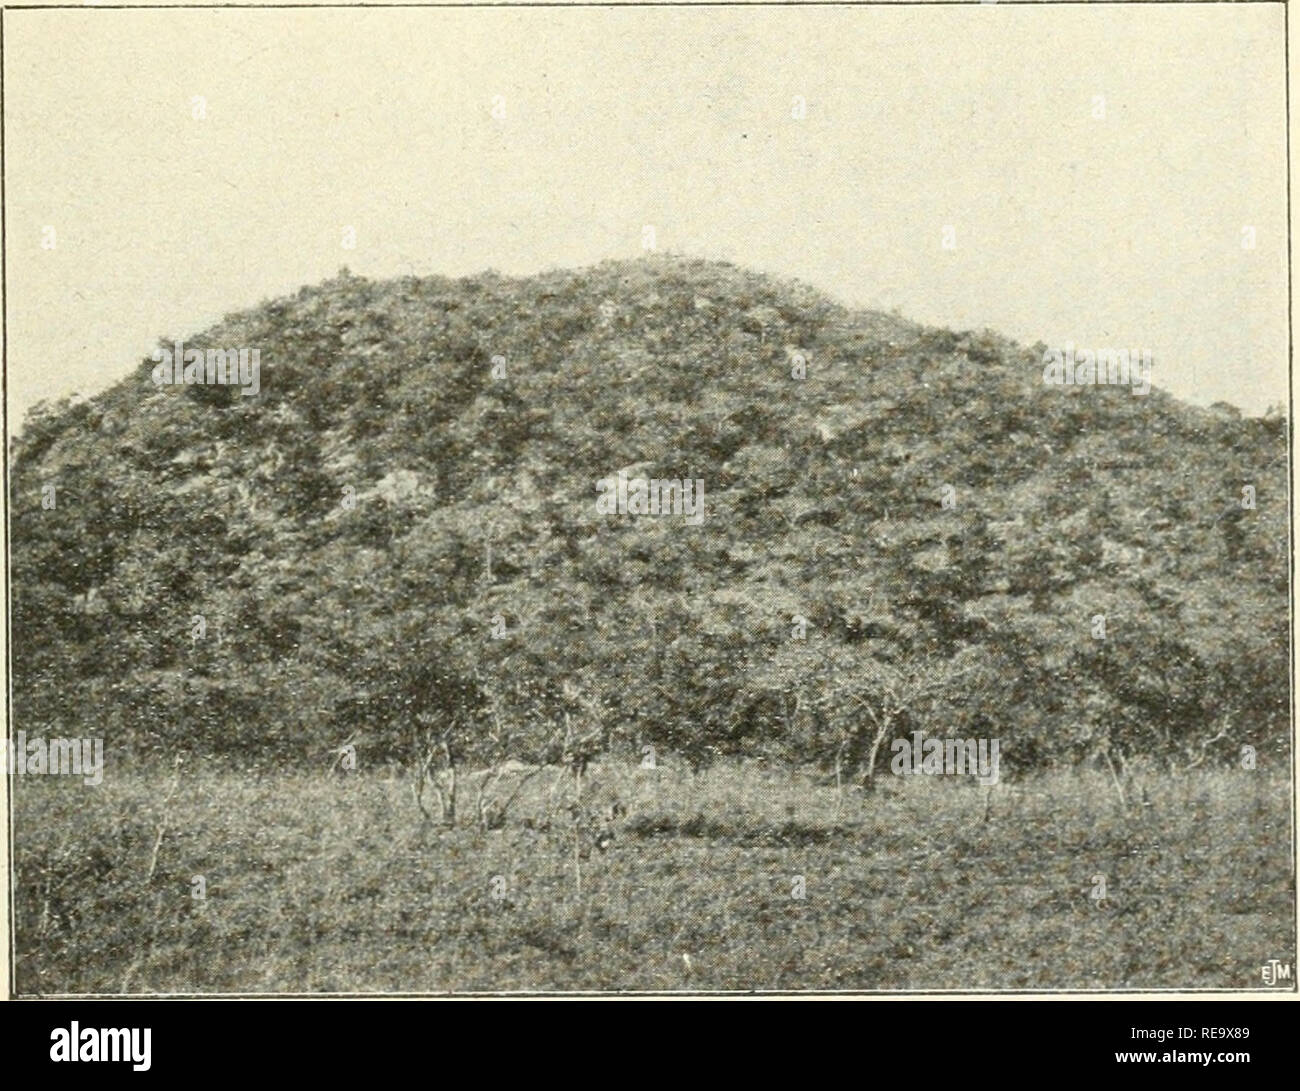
column 401, row 528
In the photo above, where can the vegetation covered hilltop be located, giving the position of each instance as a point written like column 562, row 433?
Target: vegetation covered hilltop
column 903, row 529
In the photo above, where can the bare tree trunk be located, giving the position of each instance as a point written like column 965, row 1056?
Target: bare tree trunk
column 450, row 817
column 510, row 799
column 481, row 804
column 1119, row 788
column 839, row 777
column 577, row 829
column 419, row 773
column 162, row 824
column 882, row 730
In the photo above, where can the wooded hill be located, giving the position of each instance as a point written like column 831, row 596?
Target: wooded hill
column 399, row 532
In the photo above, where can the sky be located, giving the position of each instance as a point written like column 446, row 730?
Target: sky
column 1102, row 168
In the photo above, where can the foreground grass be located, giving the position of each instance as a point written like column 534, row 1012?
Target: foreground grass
column 334, row 885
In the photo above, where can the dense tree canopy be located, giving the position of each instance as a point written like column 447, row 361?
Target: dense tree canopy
column 402, row 524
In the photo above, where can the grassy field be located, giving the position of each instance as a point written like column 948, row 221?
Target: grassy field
column 319, row 884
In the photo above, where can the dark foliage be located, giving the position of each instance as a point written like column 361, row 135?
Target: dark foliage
column 402, row 526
